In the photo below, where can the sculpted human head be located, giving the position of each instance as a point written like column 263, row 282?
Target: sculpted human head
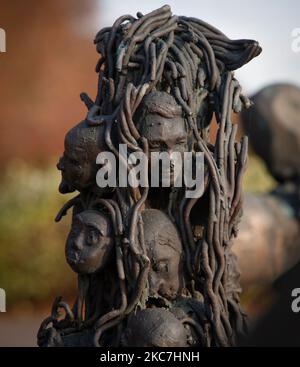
column 154, row 327
column 78, row 164
column 90, row 242
column 160, row 120
column 165, row 252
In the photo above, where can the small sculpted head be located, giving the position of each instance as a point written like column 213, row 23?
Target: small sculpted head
column 90, row 242
column 78, row 164
column 154, row 327
column 160, row 120
column 165, row 252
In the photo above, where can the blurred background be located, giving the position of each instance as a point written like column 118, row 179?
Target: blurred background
column 50, row 58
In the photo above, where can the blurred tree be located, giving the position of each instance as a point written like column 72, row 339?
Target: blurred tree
column 50, row 59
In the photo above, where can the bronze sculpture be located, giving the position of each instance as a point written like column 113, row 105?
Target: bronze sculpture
column 167, row 256
column 271, row 124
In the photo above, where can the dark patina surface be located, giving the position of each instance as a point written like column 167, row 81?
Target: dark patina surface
column 155, row 267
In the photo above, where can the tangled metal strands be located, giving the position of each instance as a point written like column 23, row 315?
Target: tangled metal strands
column 192, row 61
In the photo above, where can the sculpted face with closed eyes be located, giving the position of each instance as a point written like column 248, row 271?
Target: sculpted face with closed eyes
column 165, row 252
column 160, row 120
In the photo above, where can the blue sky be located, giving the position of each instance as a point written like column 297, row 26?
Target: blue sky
column 269, row 22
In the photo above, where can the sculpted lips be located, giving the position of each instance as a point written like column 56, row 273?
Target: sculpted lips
column 74, row 258
column 64, row 188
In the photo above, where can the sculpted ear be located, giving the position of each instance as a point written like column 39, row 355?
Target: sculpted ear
column 234, row 54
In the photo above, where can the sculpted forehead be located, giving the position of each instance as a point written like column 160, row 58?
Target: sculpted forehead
column 159, row 117
column 93, row 218
column 160, row 232
column 155, row 127
column 162, row 102
column 85, row 137
column 74, row 148
column 73, row 141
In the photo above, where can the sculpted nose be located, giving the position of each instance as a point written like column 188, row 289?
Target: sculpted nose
column 172, row 153
column 173, row 158
column 78, row 242
column 172, row 163
column 60, row 165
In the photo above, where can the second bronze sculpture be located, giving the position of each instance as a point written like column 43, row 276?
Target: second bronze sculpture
column 155, row 267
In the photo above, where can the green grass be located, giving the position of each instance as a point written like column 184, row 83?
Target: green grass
column 257, row 178
column 32, row 261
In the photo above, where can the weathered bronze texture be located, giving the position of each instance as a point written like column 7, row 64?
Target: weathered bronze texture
column 273, row 127
column 159, row 260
